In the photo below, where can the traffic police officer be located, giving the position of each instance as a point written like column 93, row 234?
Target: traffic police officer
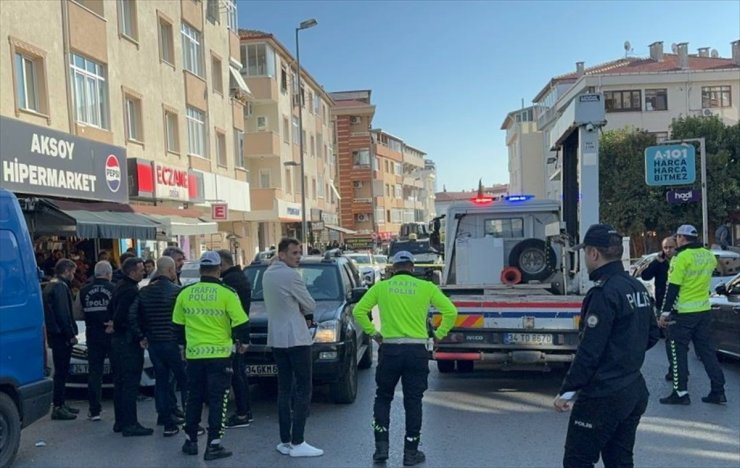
column 689, row 280
column 404, row 303
column 209, row 314
column 617, row 327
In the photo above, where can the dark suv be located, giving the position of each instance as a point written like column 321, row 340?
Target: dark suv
column 340, row 346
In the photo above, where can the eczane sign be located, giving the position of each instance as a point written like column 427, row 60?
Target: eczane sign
column 670, row 165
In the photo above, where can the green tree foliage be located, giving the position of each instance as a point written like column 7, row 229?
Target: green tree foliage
column 635, row 208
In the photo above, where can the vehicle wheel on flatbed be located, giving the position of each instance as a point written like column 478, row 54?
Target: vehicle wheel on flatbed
column 10, row 430
column 446, row 367
column 344, row 390
column 465, row 366
column 534, row 258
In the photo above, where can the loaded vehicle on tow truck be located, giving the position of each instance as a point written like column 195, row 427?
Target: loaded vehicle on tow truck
column 509, row 268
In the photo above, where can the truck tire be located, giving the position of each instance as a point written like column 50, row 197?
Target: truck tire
column 446, row 367
column 10, row 430
column 534, row 258
column 344, row 390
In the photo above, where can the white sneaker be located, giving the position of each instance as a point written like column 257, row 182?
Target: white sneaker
column 305, row 450
column 283, row 448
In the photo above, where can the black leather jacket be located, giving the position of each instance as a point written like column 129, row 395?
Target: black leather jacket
column 58, row 309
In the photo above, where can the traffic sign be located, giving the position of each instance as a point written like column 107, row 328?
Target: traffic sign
column 220, row 211
column 670, row 165
column 679, row 196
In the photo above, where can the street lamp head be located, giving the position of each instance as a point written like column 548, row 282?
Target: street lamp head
column 309, row 23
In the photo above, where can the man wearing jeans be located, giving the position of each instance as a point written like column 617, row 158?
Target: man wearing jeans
column 290, row 314
column 150, row 319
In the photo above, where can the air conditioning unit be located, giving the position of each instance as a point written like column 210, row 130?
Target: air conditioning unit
column 354, row 120
column 357, row 184
column 363, row 217
column 706, row 112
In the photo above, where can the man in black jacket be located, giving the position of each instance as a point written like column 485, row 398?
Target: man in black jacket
column 657, row 271
column 150, row 319
column 94, row 298
column 127, row 352
column 617, row 326
column 61, row 331
column 233, row 276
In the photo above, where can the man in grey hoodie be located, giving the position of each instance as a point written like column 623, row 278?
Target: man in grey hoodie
column 290, row 315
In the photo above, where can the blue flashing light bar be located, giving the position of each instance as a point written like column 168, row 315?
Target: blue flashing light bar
column 518, row 198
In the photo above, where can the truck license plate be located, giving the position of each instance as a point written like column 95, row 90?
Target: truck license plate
column 527, row 338
column 262, row 369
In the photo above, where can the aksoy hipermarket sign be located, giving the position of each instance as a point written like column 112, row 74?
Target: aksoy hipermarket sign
column 40, row 161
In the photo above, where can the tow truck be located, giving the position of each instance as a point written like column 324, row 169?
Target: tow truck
column 415, row 239
column 509, row 265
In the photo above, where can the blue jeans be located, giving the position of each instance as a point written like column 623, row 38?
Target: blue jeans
column 165, row 356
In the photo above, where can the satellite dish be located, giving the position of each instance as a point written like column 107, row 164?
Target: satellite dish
column 714, row 53
column 627, row 46
column 674, row 47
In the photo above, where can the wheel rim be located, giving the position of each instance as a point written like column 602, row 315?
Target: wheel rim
column 532, row 261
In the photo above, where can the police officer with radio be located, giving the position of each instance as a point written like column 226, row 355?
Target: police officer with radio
column 403, row 301
column 94, row 299
column 617, row 327
column 686, row 316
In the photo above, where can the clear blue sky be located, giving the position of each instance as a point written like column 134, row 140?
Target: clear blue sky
column 445, row 74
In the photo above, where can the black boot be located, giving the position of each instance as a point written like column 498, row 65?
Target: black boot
column 216, row 451
column 381, row 451
column 716, row 397
column 411, row 453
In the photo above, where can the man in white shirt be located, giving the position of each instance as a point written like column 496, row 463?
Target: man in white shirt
column 290, row 315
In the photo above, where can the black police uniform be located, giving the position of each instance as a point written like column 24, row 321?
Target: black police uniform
column 617, row 327
column 658, row 272
column 94, row 298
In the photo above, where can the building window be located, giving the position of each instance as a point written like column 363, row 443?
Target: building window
column 261, row 122
column 134, row 127
column 221, row 149
column 296, row 131
column 623, row 101
column 656, row 99
column 316, row 104
column 397, row 169
column 288, row 181
column 715, row 96
column 399, row 191
column 28, row 81
column 264, row 178
column 283, row 80
column 248, row 110
column 313, row 147
column 506, row 228
column 310, row 101
column 218, row 76
column 231, row 16
column 192, row 50
column 286, row 130
column 258, row 60
column 212, row 12
column 313, row 188
column 361, row 157
column 166, row 44
column 96, row 6
column 127, row 18
column 90, row 91
column 172, row 132
column 196, row 132
column 239, row 148
column 320, row 184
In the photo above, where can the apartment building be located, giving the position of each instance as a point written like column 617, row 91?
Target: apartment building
column 412, row 185
column 526, row 147
column 645, row 93
column 427, row 196
column 149, row 94
column 273, row 136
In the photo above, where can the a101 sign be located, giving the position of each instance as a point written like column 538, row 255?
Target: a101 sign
column 670, row 165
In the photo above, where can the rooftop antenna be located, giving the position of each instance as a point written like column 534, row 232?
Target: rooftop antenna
column 714, row 53
column 627, row 48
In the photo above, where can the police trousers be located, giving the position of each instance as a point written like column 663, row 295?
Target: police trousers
column 605, row 426
column 408, row 363
column 208, row 382
column 694, row 327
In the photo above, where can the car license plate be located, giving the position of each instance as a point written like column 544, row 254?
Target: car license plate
column 81, row 369
column 527, row 338
column 262, row 369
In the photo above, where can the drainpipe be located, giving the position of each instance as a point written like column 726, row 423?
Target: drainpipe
column 67, row 79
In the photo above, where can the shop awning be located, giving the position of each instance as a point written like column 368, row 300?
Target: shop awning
column 181, row 226
column 340, row 229
column 91, row 220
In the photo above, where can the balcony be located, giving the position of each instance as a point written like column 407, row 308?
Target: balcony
column 260, row 144
column 263, row 88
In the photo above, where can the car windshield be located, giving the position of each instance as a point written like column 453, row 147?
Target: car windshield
column 381, row 259
column 418, row 247
column 360, row 258
column 322, row 281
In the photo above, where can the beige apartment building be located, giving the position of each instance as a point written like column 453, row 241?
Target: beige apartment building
column 526, row 152
column 427, row 195
column 153, row 84
column 273, row 137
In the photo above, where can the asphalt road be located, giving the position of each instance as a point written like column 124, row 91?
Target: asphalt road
column 483, row 419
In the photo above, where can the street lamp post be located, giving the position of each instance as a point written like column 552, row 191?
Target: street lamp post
column 310, row 23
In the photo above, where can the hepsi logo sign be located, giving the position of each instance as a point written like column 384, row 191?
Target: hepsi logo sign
column 220, row 211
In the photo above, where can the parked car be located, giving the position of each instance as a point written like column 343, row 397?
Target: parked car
column 190, row 273
column 340, row 346
column 25, row 390
column 726, row 317
column 382, row 261
column 728, row 264
column 370, row 269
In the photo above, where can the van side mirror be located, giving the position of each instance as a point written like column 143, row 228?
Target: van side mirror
column 356, row 294
column 721, row 289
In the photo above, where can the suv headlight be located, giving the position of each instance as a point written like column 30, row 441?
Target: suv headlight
column 327, row 332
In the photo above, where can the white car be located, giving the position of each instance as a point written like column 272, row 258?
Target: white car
column 371, row 271
column 190, row 273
